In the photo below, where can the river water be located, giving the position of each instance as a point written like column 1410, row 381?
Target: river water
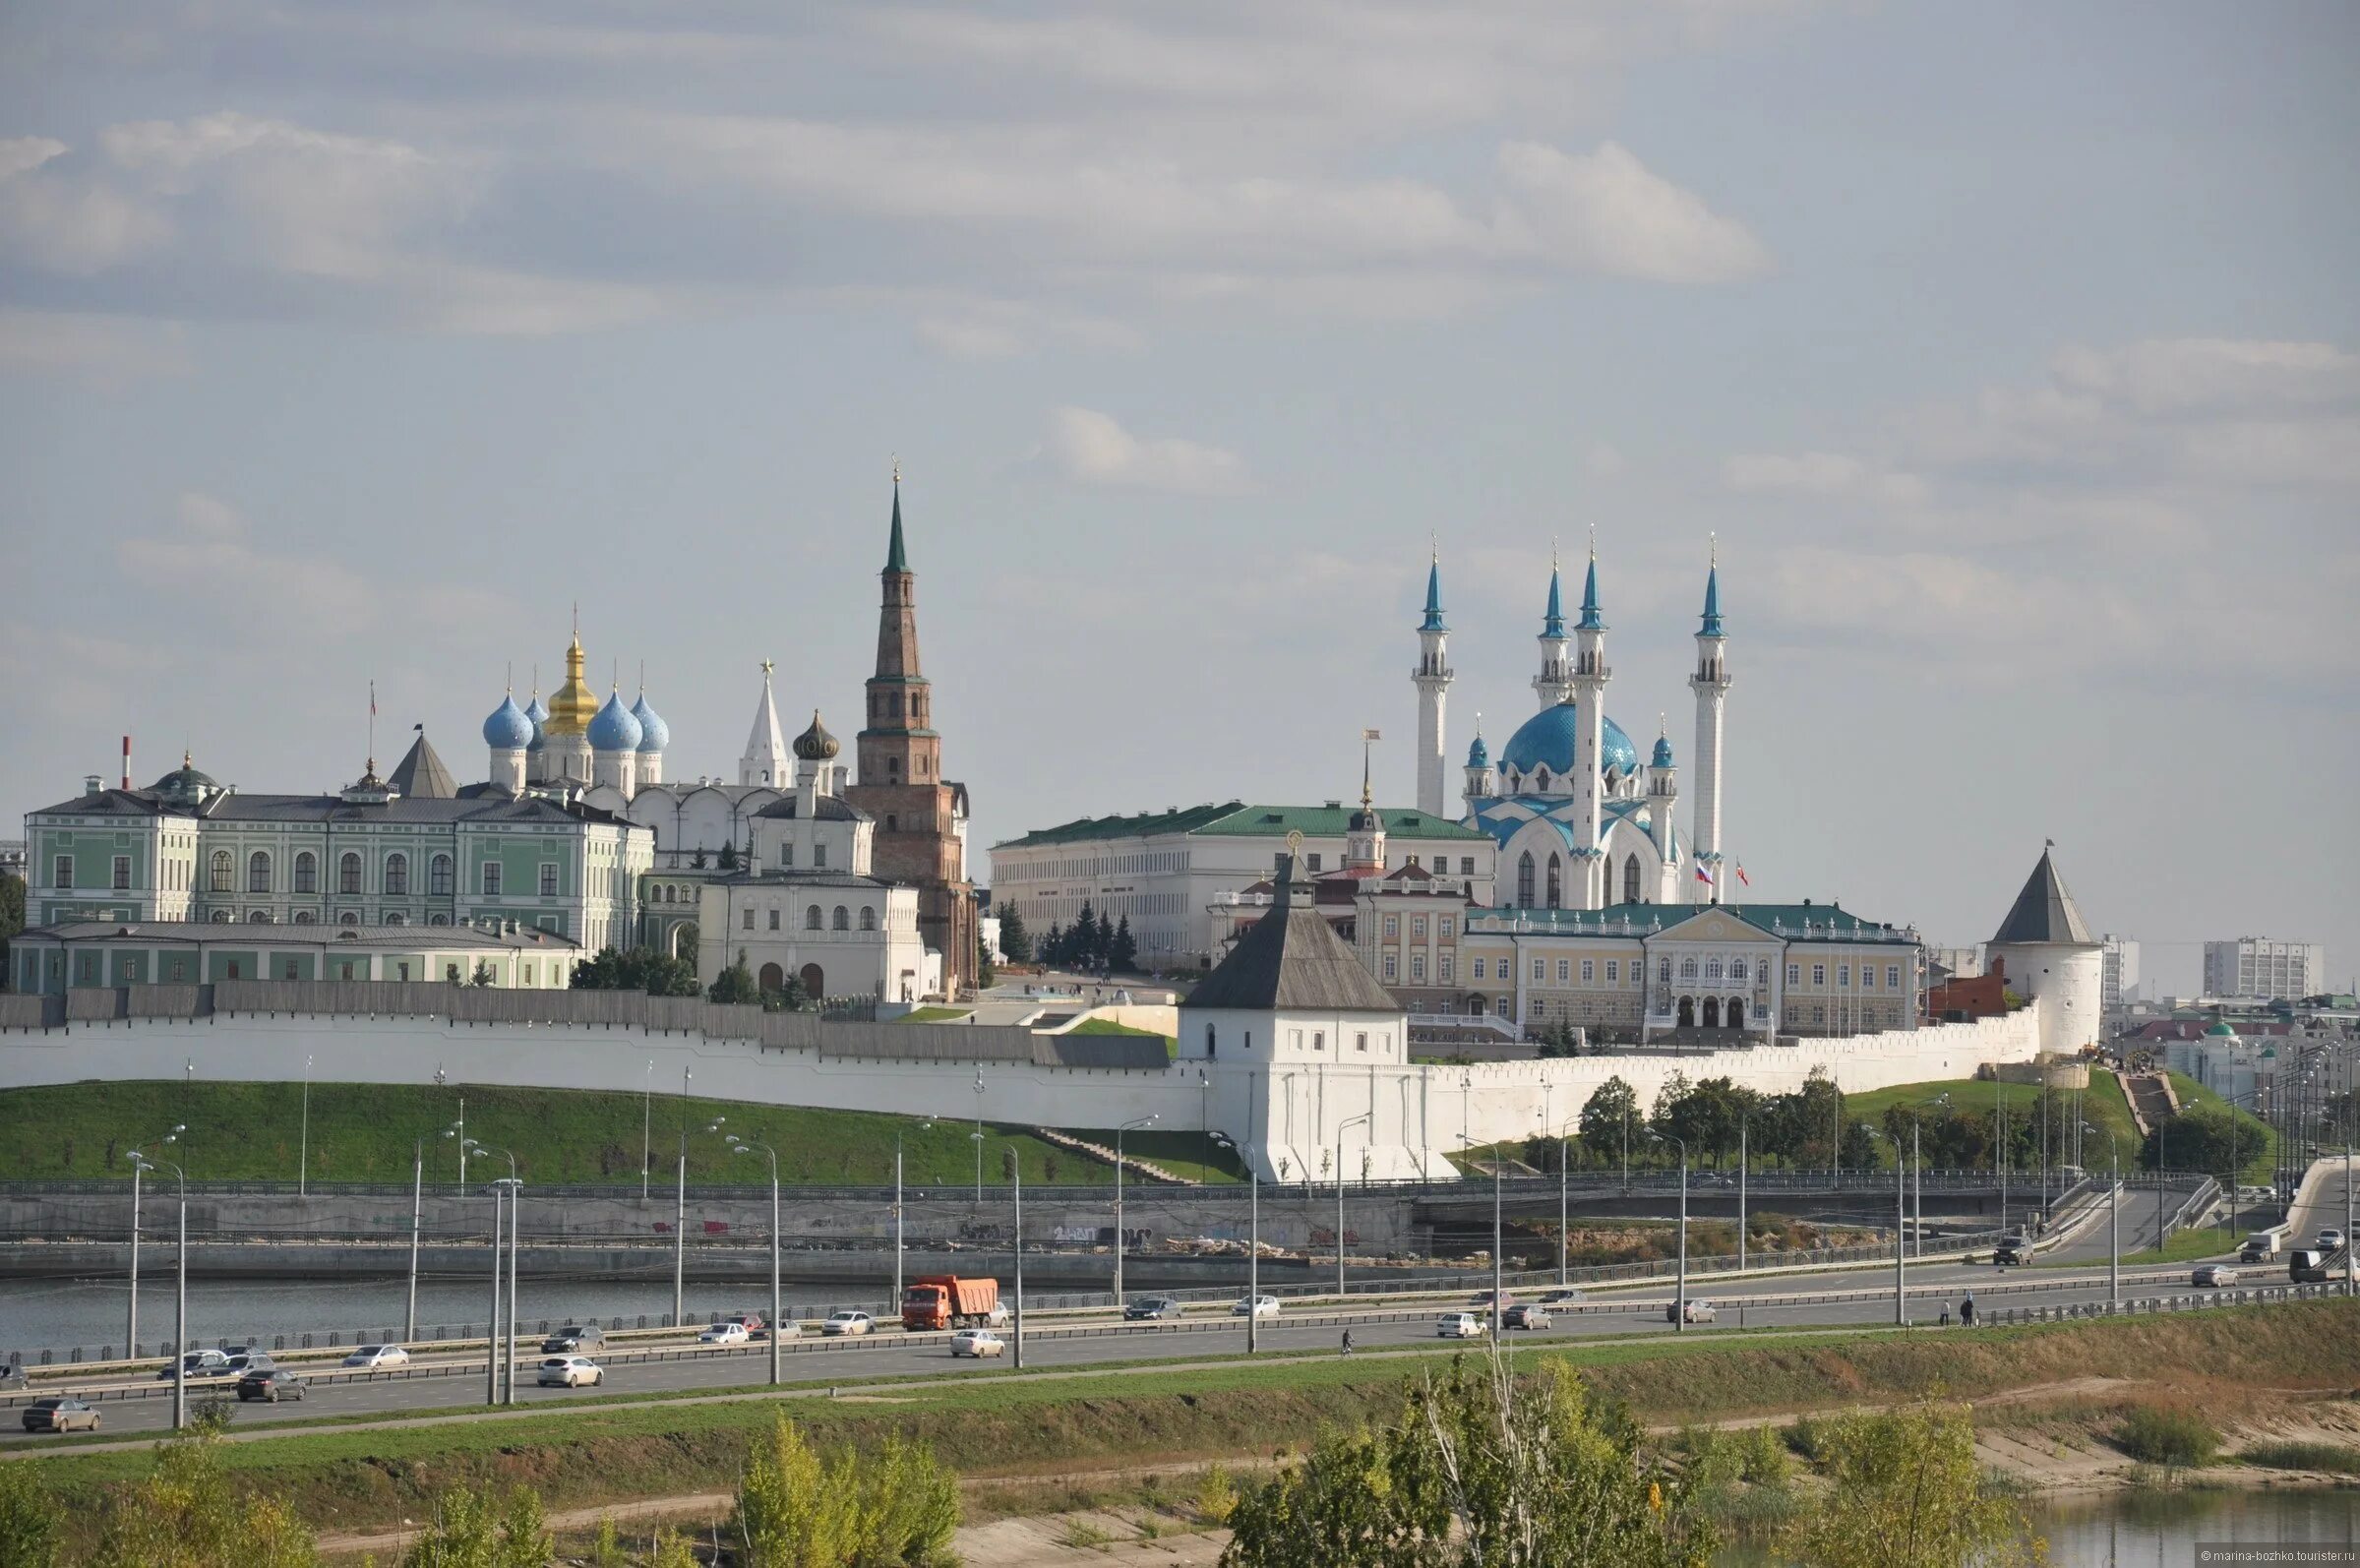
column 2163, row 1528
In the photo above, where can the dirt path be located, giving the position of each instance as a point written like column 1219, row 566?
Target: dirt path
column 647, row 1513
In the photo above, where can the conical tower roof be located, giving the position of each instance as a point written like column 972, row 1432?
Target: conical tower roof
column 421, row 775
column 2044, row 912
column 1291, row 958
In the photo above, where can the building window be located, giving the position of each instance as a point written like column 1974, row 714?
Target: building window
column 396, row 876
column 221, row 871
column 1819, row 974
column 1664, row 971
column 1447, row 927
column 1843, row 975
column 1418, row 966
column 1613, row 970
column 1523, row 880
column 395, row 917
column 1311, row 861
column 1392, row 967
column 811, row 918
column 304, row 917
column 1479, row 969
column 349, row 918
column 1539, row 970
column 842, row 919
column 1795, row 974
column 1392, row 924
column 1687, row 969
column 1361, row 1039
column 1589, row 972
column 286, row 970
column 773, row 918
column 258, row 916
column 786, row 855
column 491, row 878
column 180, row 968
column 1556, row 886
column 1417, row 924
column 122, row 873
column 307, row 873
column 401, row 970
column 868, row 918
column 234, row 969
column 1318, row 1040
column 438, row 920
column 548, row 880
column 748, row 920
column 820, row 856
column 1467, row 866
column 1893, row 977
column 1868, row 977
column 1630, row 881
column 1737, row 969
column 348, row 874
column 439, row 875
column 61, row 872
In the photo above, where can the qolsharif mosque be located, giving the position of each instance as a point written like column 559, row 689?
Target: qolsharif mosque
column 1580, row 820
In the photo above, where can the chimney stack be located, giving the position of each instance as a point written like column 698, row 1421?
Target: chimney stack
column 127, row 761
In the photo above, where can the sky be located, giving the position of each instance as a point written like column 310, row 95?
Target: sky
column 2009, row 352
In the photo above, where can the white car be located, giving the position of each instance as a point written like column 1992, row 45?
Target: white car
column 2331, row 1239
column 848, row 1322
column 1254, row 1307
column 570, row 1372
column 724, row 1334
column 1458, row 1326
column 1699, row 1311
column 977, row 1342
column 378, row 1356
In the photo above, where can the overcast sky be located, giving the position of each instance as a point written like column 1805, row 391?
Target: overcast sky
column 2009, row 348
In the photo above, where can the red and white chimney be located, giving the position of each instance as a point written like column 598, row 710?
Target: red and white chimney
column 127, row 761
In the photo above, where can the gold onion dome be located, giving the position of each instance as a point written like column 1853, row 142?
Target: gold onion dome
column 815, row 744
column 575, row 705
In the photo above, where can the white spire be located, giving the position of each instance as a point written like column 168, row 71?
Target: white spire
column 766, row 758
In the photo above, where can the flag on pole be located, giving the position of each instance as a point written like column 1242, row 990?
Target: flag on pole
column 372, row 699
column 1703, row 874
column 1371, row 735
column 1741, row 877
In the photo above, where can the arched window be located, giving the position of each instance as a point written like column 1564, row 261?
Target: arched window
column 348, row 875
column 1738, row 968
column 221, row 917
column 221, row 871
column 811, row 918
column 1541, row 781
column 348, row 919
column 258, row 872
column 1712, row 968
column 395, row 917
column 397, row 876
column 1630, row 881
column 1556, row 882
column 868, row 918
column 843, row 920
column 438, row 877
column 304, row 917
column 1211, row 1041
column 307, row 873
column 1664, row 970
column 1523, row 880
column 1687, row 969
column 438, row 920
column 258, row 916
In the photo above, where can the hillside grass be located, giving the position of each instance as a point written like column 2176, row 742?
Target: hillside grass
column 2184, row 1246
column 1006, row 1426
column 2102, row 1105
column 366, row 1132
column 2256, row 1172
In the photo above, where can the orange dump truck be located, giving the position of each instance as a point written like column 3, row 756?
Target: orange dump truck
column 947, row 1300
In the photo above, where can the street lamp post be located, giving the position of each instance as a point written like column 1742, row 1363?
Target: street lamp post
column 741, row 1146
column 417, row 1216
column 491, row 1333
column 923, row 1127
column 303, row 1146
column 139, row 1167
column 1140, row 1121
column 1901, row 1229
column 1368, row 1118
column 180, row 1285
column 979, row 1138
column 647, row 1126
column 1743, row 1128
column 1679, row 1302
column 680, row 1213
column 1016, row 1196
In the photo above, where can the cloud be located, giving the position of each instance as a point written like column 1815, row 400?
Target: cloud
column 1823, row 473
column 1608, row 211
column 1092, row 448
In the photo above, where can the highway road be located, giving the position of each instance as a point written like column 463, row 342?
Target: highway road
column 1833, row 1298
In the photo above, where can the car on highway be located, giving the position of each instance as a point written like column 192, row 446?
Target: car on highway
column 570, row 1372
column 751, row 1322
column 1458, row 1326
column 2330, row 1239
column 1699, row 1311
column 271, row 1385
column 378, row 1356
column 198, row 1363
column 848, row 1321
column 2213, row 1275
column 60, row 1413
column 729, row 1330
column 1254, row 1307
column 978, row 1343
column 2260, row 1247
column 2013, row 1248
column 574, row 1337
column 1483, row 1297
column 1527, row 1314
column 1141, row 1309
column 1565, row 1295
column 242, row 1361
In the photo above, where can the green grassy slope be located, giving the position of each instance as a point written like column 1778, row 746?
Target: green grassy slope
column 365, row 1132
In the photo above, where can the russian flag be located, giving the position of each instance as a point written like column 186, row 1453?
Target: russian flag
column 1741, row 877
column 1702, row 875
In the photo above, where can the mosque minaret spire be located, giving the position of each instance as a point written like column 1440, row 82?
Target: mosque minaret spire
column 1554, row 683
column 1432, row 678
column 1589, row 678
column 1710, row 684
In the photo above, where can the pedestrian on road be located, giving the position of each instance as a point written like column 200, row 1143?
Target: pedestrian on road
column 1966, row 1311
column 1348, row 1342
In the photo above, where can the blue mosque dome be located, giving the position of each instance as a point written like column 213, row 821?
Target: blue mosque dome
column 1548, row 740
column 1479, row 754
column 654, row 733
column 614, row 729
column 507, row 728
column 1662, row 750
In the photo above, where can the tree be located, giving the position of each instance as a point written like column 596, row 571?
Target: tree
column 1660, row 1120
column 1123, row 948
column 1607, row 1115
column 473, row 1529
column 482, row 977
column 32, row 1524
column 1016, row 943
column 697, row 861
column 2205, row 1138
column 735, row 983
column 1905, row 1492
column 983, row 973
column 787, row 997
column 1052, row 946
column 729, row 857
column 1087, row 941
column 795, row 1511
column 640, row 969
column 185, row 1513
column 1481, row 1468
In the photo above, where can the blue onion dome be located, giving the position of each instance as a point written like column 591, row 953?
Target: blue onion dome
column 654, row 733
column 1662, row 750
column 538, row 712
column 507, row 728
column 1548, row 740
column 614, row 729
column 1479, row 754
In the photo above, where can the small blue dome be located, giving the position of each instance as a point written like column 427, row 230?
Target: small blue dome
column 1479, row 754
column 614, row 729
column 507, row 728
column 1548, row 740
column 1662, row 750
column 538, row 712
column 654, row 733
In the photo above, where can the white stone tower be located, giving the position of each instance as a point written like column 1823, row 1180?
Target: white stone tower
column 1479, row 784
column 2050, row 956
column 1554, row 683
column 1589, row 678
column 1710, row 684
column 1662, row 803
column 766, row 758
column 1432, row 678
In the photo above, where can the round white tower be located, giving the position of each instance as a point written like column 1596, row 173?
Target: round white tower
column 1479, row 786
column 2050, row 956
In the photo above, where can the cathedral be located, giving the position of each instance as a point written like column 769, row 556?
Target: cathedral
column 1580, row 820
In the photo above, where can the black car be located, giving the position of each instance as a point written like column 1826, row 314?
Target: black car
column 269, row 1383
column 60, row 1414
column 574, row 1337
column 1139, row 1308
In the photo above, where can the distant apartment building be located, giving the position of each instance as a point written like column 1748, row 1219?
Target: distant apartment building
column 1956, row 963
column 2118, row 980
column 2256, row 966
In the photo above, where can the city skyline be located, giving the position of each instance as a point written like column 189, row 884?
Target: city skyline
column 325, row 361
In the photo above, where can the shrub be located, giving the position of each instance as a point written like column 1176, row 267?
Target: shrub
column 2333, row 1458
column 2169, row 1437
column 1216, row 1494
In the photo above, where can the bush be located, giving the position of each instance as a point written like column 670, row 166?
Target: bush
column 795, row 1512
column 2169, row 1438
column 2333, row 1458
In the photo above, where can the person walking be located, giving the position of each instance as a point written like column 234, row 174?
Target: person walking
column 1966, row 1311
column 1348, row 1342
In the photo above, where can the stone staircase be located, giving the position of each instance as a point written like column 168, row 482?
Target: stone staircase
column 2152, row 1100
column 1106, row 1156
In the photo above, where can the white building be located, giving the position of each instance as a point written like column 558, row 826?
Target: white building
column 2256, row 966
column 2050, row 956
column 2118, row 982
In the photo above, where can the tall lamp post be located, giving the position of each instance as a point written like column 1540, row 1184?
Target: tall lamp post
column 1253, row 1243
column 139, row 1167
column 303, row 1146
column 979, row 1138
column 180, row 1290
column 1142, row 1121
column 927, row 1126
column 1745, row 1120
column 739, row 1145
column 417, row 1219
column 1901, row 1228
column 680, row 1214
column 1367, row 1119
column 1679, row 1301
column 2113, row 1218
column 647, row 1126
column 1016, row 1197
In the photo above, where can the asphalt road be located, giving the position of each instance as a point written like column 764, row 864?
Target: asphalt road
column 1835, row 1297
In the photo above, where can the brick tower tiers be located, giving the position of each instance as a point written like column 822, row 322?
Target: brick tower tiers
column 901, row 785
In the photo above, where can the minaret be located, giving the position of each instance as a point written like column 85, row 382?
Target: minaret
column 1710, row 684
column 1432, row 678
column 1662, row 805
column 1364, row 831
column 1554, row 683
column 766, row 760
column 1589, row 680
column 1479, row 770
